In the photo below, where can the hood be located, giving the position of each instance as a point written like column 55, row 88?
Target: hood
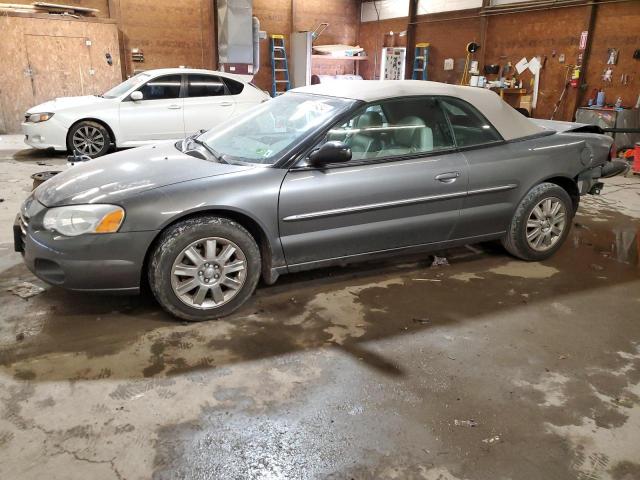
column 114, row 177
column 66, row 102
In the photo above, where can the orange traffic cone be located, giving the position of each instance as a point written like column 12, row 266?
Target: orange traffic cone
column 635, row 168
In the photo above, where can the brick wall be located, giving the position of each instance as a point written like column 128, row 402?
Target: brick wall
column 617, row 26
column 509, row 37
column 283, row 17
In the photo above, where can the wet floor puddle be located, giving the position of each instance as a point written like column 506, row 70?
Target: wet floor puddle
column 131, row 336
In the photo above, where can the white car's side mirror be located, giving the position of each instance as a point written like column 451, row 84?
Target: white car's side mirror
column 137, row 96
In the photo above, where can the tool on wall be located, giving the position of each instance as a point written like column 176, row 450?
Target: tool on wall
column 472, row 47
column 567, row 84
column 420, row 61
column 279, row 66
column 492, row 69
column 624, row 79
column 318, row 30
column 575, row 75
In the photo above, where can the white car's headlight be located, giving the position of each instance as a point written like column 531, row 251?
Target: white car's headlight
column 78, row 219
column 40, row 117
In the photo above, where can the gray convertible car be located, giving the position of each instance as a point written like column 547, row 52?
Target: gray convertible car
column 322, row 175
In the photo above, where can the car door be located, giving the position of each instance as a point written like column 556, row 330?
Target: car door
column 493, row 171
column 207, row 102
column 158, row 116
column 403, row 187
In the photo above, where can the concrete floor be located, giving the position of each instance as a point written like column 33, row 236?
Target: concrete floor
column 488, row 368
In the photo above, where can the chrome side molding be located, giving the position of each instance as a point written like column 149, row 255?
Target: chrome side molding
column 396, row 203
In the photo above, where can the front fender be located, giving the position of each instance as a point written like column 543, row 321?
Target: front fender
column 251, row 194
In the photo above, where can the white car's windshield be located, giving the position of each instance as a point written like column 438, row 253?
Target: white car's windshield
column 127, row 85
column 267, row 131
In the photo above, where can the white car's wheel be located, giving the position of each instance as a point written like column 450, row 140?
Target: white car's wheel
column 89, row 138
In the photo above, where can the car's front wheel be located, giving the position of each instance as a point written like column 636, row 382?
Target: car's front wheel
column 89, row 138
column 204, row 268
column 541, row 223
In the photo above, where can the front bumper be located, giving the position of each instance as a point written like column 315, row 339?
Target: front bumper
column 49, row 134
column 99, row 263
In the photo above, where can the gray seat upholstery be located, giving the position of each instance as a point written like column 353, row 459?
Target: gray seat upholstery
column 410, row 140
column 368, row 138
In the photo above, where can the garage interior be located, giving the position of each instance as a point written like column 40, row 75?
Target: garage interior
column 463, row 364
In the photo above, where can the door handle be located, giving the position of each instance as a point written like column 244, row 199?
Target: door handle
column 174, row 107
column 448, row 177
column 226, row 104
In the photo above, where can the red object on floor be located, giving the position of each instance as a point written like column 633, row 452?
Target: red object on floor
column 635, row 168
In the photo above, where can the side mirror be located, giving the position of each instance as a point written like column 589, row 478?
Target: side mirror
column 330, row 152
column 136, row 96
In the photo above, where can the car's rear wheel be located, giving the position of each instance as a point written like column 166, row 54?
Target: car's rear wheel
column 89, row 138
column 541, row 223
column 204, row 268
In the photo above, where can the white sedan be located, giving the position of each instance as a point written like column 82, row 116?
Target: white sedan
column 163, row 104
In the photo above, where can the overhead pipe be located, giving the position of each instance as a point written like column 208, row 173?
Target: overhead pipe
column 543, row 5
column 495, row 11
column 510, row 6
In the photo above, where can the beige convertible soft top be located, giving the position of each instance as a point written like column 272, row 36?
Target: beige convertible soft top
column 502, row 116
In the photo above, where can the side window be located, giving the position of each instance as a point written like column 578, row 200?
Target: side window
column 205, row 86
column 469, row 126
column 234, row 87
column 395, row 128
column 162, row 88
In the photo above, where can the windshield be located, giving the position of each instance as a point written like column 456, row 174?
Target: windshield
column 127, row 85
column 267, row 131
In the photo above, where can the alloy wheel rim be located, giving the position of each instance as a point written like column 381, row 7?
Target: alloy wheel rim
column 546, row 224
column 208, row 273
column 88, row 140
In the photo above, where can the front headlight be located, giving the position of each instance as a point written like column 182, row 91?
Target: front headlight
column 40, row 117
column 78, row 219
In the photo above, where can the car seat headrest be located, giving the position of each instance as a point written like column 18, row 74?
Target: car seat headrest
column 369, row 120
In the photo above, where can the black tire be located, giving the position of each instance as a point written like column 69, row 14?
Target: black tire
column 178, row 237
column 101, row 135
column 515, row 241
